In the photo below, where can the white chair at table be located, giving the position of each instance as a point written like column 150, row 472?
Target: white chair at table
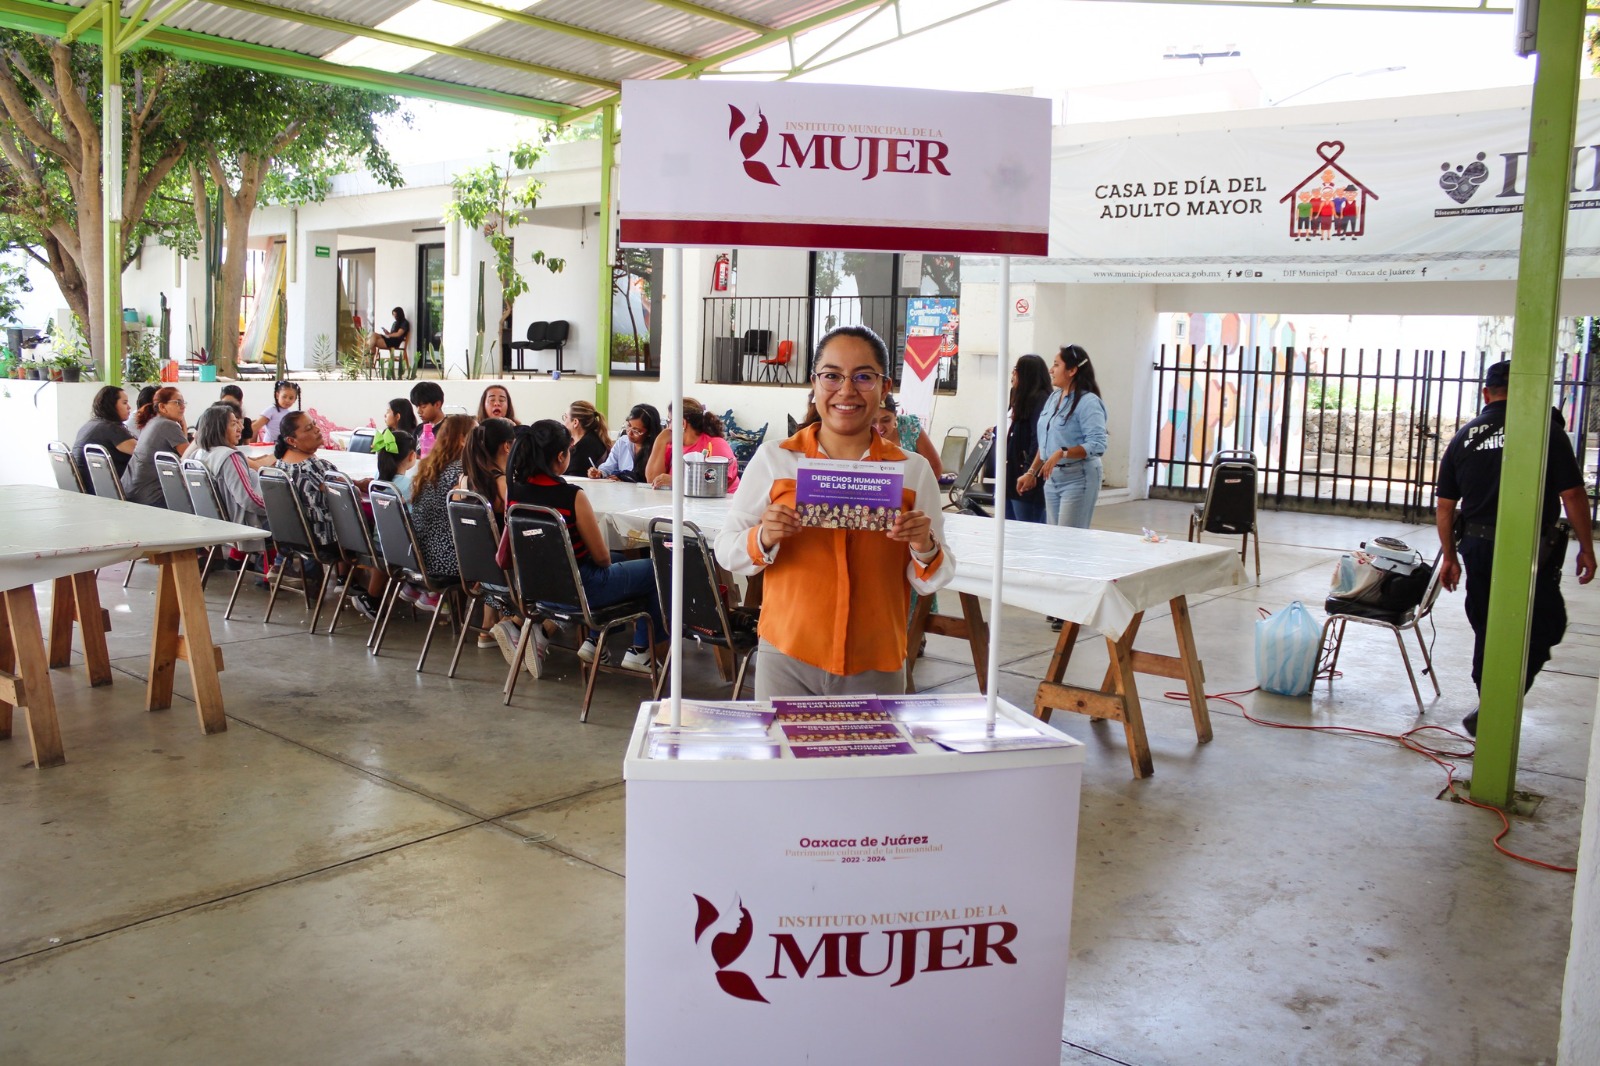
column 103, row 478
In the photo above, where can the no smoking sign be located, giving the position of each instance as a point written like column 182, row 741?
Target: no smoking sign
column 1023, row 309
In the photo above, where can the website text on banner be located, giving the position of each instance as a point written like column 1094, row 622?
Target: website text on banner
column 1411, row 199
column 836, row 167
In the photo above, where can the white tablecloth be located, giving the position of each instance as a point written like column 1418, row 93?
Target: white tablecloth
column 356, row 465
column 48, row 533
column 1095, row 578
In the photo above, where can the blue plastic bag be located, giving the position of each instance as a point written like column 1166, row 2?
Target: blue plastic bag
column 1287, row 646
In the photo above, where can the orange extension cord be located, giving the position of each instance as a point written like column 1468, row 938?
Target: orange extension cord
column 1407, row 740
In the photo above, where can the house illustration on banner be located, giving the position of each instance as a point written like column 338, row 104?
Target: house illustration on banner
column 1330, row 202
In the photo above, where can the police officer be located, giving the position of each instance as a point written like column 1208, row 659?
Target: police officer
column 1469, row 499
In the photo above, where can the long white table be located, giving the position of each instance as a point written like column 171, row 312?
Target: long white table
column 63, row 537
column 1096, row 580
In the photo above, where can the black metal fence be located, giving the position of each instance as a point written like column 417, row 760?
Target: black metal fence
column 1340, row 430
column 770, row 339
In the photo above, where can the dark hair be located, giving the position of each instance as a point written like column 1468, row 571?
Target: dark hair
column 283, row 384
column 651, row 418
column 105, row 403
column 483, row 404
column 449, row 444
column 478, row 461
column 389, row 462
column 880, row 350
column 233, row 391
column 426, row 392
column 1077, row 359
column 145, row 392
column 147, row 410
column 535, row 450
column 593, row 422
column 287, row 429
column 399, row 312
column 211, row 428
column 1033, row 385
column 697, row 418
column 407, row 416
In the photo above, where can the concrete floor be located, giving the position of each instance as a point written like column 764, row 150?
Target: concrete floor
column 376, row 866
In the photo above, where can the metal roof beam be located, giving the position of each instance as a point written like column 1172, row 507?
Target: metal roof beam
column 811, row 65
column 522, row 18
column 133, row 34
column 51, row 19
column 89, row 17
column 356, row 29
column 714, row 15
column 1320, row 5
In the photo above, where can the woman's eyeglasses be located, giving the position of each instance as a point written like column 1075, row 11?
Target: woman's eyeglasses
column 833, row 381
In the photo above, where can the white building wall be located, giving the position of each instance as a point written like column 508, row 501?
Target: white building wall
column 566, row 233
column 1580, row 1000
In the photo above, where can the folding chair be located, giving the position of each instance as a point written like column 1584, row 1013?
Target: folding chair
column 291, row 535
column 1342, row 612
column 355, row 540
column 402, row 556
column 548, row 582
column 953, row 452
column 967, row 495
column 477, row 539
column 361, row 440
column 170, row 475
column 707, row 619
column 68, row 477
column 207, row 504
column 103, row 479
column 1230, row 503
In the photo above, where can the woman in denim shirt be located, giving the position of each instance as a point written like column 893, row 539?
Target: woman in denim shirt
column 1072, row 438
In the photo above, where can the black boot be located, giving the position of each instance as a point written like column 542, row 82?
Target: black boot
column 1470, row 723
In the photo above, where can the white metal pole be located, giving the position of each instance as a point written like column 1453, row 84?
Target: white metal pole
column 672, row 307
column 1002, row 397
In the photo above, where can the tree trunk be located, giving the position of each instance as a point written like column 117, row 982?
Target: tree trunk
column 237, row 207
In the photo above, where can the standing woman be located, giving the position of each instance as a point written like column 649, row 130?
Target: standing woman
column 1030, row 388
column 591, row 438
column 161, row 429
column 1072, row 438
column 835, row 604
column 631, row 453
column 496, row 403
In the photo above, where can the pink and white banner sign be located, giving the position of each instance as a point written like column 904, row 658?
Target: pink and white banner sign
column 739, row 163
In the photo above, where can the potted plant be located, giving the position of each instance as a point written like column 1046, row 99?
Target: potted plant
column 35, row 370
column 208, row 369
column 66, row 364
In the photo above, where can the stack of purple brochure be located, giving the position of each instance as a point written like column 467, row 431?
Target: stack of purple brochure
column 709, row 731
column 828, row 727
column 833, row 494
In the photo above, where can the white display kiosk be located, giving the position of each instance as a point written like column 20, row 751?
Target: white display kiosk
column 873, row 910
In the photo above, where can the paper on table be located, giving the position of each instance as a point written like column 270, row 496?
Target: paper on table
column 718, row 717
column 710, row 747
column 855, row 747
column 830, row 709
column 839, row 732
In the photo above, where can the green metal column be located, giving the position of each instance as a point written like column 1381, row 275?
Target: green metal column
column 602, row 378
column 1544, row 238
column 111, row 166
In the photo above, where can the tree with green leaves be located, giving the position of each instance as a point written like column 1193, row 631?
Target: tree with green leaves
column 267, row 138
column 496, row 199
column 13, row 283
column 50, row 160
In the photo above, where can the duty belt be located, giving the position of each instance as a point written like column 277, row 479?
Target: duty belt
column 1485, row 530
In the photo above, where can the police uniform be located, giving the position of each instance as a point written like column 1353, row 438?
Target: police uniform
column 1470, row 474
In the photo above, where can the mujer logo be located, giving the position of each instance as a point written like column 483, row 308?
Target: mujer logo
column 874, row 149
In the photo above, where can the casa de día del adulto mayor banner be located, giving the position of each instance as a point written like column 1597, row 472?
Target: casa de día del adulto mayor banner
column 738, row 163
column 1434, row 198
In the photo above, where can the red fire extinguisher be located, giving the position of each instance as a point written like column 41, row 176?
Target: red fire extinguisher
column 719, row 274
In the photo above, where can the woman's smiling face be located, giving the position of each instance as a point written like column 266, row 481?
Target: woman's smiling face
column 847, row 406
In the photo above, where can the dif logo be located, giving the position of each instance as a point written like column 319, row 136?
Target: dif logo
column 902, row 953
column 875, row 153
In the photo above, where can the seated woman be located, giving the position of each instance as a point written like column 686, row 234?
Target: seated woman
column 161, row 429
column 400, row 415
column 391, row 339
column 539, row 459
column 216, row 439
column 483, row 470
column 702, row 432
column 591, row 438
column 907, row 429
column 496, row 403
column 631, row 454
column 833, row 619
column 106, row 427
column 299, row 437
column 437, row 475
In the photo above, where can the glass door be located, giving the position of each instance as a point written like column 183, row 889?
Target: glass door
column 430, row 305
